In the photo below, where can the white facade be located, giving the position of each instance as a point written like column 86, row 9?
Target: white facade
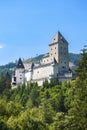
column 42, row 72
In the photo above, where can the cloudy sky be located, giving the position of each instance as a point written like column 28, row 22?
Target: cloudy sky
column 27, row 26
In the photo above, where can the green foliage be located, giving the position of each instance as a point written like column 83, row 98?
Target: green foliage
column 78, row 108
column 7, row 68
column 3, row 126
column 82, row 66
column 53, row 106
column 46, row 83
column 48, row 112
column 5, row 82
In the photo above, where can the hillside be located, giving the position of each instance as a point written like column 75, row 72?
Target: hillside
column 73, row 59
column 7, row 68
column 52, row 106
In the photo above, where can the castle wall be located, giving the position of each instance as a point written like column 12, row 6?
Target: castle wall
column 39, row 74
column 46, row 60
column 42, row 72
column 28, row 76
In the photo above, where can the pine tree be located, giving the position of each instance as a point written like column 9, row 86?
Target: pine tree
column 78, row 110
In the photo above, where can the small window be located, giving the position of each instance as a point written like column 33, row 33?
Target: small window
column 55, row 47
column 51, row 48
column 14, row 78
column 44, row 60
column 55, row 52
column 51, row 54
column 37, row 71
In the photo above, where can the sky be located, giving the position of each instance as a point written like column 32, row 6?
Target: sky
column 27, row 26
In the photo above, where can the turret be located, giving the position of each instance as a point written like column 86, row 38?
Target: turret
column 19, row 75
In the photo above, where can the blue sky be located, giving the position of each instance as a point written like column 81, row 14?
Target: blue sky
column 27, row 26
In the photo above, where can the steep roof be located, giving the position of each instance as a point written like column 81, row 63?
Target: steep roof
column 57, row 38
column 20, row 64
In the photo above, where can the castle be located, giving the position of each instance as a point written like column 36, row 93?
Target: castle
column 53, row 64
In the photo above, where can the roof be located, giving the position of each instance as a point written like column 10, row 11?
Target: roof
column 46, row 55
column 47, row 64
column 57, row 38
column 20, row 64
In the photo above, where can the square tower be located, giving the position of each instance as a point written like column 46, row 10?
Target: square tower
column 58, row 49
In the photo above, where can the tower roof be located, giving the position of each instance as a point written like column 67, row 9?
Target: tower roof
column 57, row 38
column 20, row 64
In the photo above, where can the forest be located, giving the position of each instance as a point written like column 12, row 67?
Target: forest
column 53, row 106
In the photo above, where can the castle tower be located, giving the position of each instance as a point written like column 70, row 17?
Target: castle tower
column 58, row 49
column 19, row 72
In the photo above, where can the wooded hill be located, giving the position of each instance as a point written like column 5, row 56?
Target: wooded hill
column 53, row 106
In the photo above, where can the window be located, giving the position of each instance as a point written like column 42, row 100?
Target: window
column 14, row 78
column 55, row 52
column 55, row 47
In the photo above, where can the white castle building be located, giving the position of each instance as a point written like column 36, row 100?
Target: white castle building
column 53, row 64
